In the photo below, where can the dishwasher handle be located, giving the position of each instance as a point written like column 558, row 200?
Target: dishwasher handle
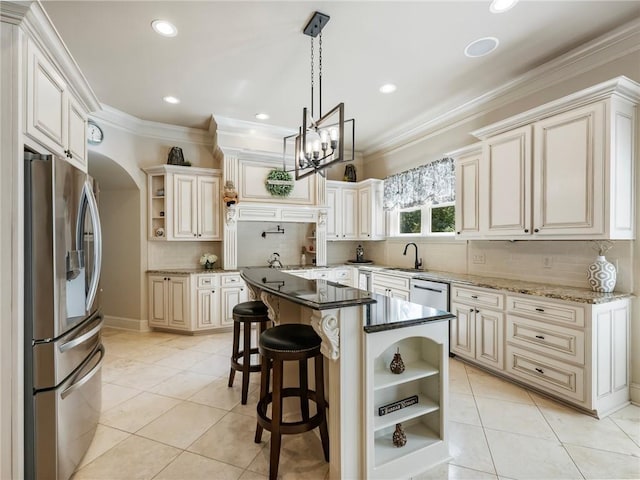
column 427, row 288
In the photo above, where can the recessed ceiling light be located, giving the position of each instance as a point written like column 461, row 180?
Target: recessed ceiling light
column 481, row 47
column 164, row 28
column 499, row 6
column 388, row 88
column 170, row 99
column 262, row 116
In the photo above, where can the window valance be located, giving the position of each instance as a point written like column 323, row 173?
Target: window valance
column 428, row 184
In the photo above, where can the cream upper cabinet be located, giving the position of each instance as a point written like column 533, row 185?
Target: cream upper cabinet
column 355, row 210
column 564, row 170
column 569, row 172
column 54, row 117
column 371, row 213
column 183, row 203
column 467, row 164
column 505, row 179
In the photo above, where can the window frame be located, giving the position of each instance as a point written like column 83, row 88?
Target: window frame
column 425, row 221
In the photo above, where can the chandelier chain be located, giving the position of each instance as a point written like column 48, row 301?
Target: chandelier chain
column 312, row 75
column 320, row 75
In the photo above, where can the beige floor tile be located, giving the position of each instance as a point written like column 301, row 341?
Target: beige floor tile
column 597, row 464
column 153, row 353
column 513, row 417
column 133, row 458
column 216, row 365
column 137, row 412
column 131, row 373
column 524, row 457
column 489, row 386
column 218, row 394
column 252, row 400
column 628, row 419
column 468, row 447
column 301, row 456
column 230, row 441
column 113, row 395
column 183, row 341
column 217, row 343
column 458, row 379
column 577, row 428
column 196, row 467
column 249, row 475
column 182, row 359
column 183, row 385
column 182, row 425
column 462, row 409
column 104, row 439
column 453, row 472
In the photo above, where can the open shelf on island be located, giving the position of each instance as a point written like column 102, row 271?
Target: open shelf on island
column 384, row 378
column 418, row 435
column 424, row 406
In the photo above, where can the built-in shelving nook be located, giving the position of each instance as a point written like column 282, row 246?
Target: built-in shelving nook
column 424, row 352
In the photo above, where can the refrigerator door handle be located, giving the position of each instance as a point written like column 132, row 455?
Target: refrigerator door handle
column 97, row 243
column 77, row 384
column 82, row 338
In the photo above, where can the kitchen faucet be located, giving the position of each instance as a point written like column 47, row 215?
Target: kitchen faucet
column 417, row 263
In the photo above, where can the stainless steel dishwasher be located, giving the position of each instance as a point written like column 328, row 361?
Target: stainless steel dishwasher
column 430, row 293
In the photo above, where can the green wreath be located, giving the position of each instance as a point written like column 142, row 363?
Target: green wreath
column 279, row 183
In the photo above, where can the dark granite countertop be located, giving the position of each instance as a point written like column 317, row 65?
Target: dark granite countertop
column 188, row 271
column 383, row 313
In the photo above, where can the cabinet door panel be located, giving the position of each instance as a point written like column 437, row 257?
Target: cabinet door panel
column 179, row 302
column 569, row 175
column 208, row 308
column 506, row 183
column 208, row 208
column 349, row 213
column 467, row 196
column 230, row 298
column 157, row 302
column 463, row 330
column 76, row 133
column 490, row 338
column 333, row 230
column 185, row 220
column 364, row 223
column 45, row 100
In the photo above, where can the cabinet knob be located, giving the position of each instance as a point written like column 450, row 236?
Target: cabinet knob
column 199, row 234
column 541, row 337
column 194, row 234
column 539, row 370
column 471, row 310
column 164, row 278
column 474, row 296
column 477, row 311
column 213, row 291
column 536, row 230
column 458, row 233
column 526, row 230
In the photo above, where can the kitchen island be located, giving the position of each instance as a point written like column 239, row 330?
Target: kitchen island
column 361, row 332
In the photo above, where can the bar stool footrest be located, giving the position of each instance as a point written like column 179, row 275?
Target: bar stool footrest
column 288, row 428
column 236, row 365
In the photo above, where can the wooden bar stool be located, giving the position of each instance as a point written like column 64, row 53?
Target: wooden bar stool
column 246, row 313
column 282, row 343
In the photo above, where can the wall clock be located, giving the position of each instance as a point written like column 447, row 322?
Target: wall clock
column 94, row 133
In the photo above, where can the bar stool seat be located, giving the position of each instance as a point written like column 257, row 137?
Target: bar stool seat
column 290, row 342
column 246, row 313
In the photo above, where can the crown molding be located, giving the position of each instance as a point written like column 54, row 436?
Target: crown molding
column 621, row 87
column 32, row 18
column 604, row 49
column 466, row 150
column 123, row 121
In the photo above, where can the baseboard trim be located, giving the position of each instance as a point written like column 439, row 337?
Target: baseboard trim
column 634, row 390
column 123, row 323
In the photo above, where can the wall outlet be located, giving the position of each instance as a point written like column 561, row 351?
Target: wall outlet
column 479, row 258
column 547, row 262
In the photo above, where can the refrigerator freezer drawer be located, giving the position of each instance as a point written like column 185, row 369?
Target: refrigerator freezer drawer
column 61, row 439
column 54, row 361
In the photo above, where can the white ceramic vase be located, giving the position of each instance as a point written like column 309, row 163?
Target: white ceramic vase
column 602, row 275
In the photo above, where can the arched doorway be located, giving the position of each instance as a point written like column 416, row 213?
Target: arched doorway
column 120, row 212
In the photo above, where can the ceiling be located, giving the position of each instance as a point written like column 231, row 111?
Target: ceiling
column 234, row 59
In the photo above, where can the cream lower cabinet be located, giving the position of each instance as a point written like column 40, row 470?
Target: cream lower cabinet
column 424, row 352
column 170, row 301
column 395, row 286
column 194, row 303
column 477, row 332
column 575, row 352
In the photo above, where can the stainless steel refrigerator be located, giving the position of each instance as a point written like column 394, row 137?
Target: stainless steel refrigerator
column 63, row 320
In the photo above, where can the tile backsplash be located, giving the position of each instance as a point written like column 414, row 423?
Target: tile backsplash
column 554, row 262
column 181, row 254
column 254, row 250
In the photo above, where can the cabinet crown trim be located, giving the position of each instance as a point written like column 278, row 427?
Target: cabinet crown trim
column 621, row 87
column 183, row 170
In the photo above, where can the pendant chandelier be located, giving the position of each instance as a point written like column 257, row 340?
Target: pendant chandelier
column 329, row 139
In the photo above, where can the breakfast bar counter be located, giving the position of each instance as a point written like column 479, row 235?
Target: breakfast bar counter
column 361, row 333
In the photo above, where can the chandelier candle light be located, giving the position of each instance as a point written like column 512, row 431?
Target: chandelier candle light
column 319, row 143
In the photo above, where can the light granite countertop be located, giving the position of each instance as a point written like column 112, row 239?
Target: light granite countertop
column 558, row 292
